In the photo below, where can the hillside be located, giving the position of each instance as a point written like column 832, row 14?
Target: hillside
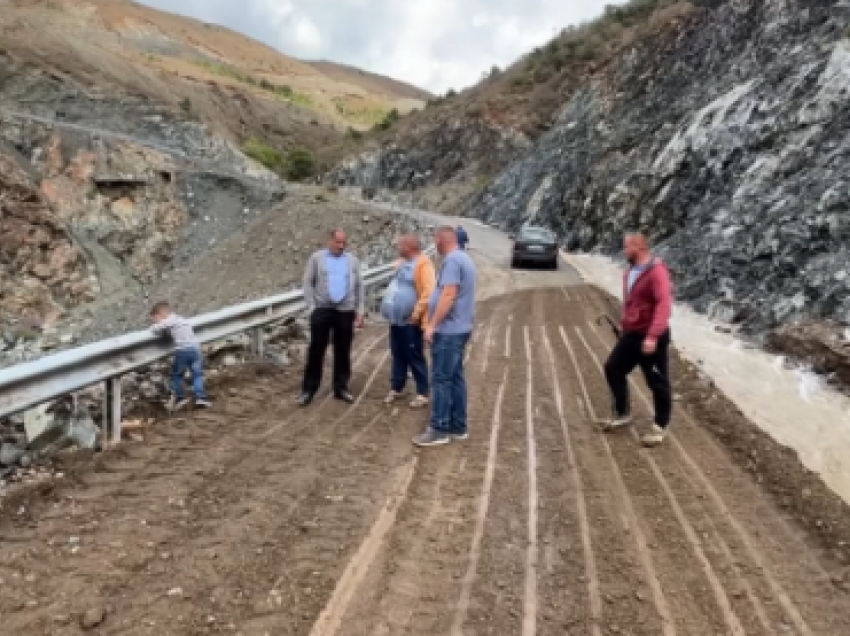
column 134, row 149
column 720, row 128
column 170, row 59
column 372, row 82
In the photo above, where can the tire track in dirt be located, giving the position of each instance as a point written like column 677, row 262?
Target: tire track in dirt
column 730, row 618
column 700, row 483
column 529, row 622
column 650, row 574
column 562, row 590
column 731, row 535
column 483, row 508
column 284, row 498
column 743, row 574
column 199, row 504
column 331, row 617
column 577, row 486
column 498, row 590
column 417, row 576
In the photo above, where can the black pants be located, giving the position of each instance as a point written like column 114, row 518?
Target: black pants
column 323, row 322
column 628, row 354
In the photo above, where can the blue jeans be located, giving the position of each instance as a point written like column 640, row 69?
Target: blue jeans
column 408, row 349
column 188, row 360
column 448, row 413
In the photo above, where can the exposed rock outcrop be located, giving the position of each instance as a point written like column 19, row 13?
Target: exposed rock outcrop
column 724, row 134
column 723, row 139
column 42, row 272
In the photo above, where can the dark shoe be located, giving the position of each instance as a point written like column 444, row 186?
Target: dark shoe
column 431, row 437
column 344, row 396
column 305, row 399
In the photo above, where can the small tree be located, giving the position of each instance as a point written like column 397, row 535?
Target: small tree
column 300, row 164
column 389, row 119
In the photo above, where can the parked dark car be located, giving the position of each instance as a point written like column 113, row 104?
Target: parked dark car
column 535, row 245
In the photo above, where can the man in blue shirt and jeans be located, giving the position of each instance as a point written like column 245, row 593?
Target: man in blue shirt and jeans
column 451, row 318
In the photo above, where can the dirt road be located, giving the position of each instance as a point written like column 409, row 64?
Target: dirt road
column 258, row 518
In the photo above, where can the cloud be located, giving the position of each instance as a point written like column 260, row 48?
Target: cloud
column 435, row 44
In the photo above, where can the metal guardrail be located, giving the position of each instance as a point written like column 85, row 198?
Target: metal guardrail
column 30, row 384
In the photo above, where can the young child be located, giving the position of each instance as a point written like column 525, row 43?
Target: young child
column 186, row 357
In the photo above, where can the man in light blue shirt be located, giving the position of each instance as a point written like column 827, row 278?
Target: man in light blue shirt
column 333, row 293
column 451, row 318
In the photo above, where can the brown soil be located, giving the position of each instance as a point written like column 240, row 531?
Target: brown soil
column 258, row 518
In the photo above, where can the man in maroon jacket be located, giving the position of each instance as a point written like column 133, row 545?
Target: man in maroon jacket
column 645, row 341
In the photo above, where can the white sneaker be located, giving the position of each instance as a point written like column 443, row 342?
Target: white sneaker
column 419, row 402
column 617, row 422
column 655, row 437
column 174, row 404
column 392, row 397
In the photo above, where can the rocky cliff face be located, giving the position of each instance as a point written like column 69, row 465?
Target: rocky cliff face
column 726, row 141
column 41, row 270
column 448, row 161
column 725, row 136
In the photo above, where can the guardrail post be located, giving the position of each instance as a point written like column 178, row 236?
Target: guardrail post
column 112, row 410
column 257, row 343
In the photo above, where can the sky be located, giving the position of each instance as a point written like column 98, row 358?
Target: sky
column 433, row 44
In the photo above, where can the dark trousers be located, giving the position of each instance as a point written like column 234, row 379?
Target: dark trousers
column 408, row 350
column 323, row 322
column 627, row 355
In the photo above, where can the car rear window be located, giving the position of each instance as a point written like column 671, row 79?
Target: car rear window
column 535, row 234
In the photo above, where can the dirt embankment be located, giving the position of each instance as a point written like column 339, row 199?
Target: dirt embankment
column 822, row 346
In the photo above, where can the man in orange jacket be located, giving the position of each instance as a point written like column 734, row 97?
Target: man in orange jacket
column 406, row 309
column 645, row 338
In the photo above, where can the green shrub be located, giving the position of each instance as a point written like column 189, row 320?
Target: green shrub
column 283, row 90
column 296, row 165
column 299, row 164
column 389, row 120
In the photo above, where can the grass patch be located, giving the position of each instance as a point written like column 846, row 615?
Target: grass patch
column 358, row 113
column 296, row 164
column 282, row 91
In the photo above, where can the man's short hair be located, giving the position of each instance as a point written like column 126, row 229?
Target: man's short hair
column 414, row 241
column 337, row 230
column 160, row 307
column 447, row 229
column 638, row 236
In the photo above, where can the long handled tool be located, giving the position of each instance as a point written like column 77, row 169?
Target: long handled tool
column 602, row 321
column 614, row 326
